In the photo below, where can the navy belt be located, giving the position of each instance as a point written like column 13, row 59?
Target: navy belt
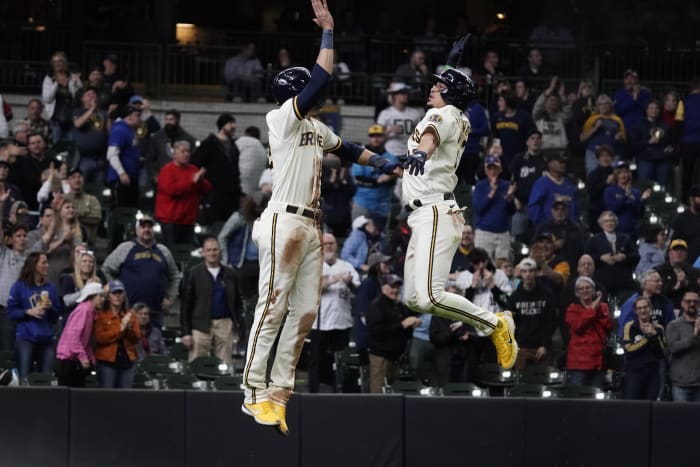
column 309, row 213
column 416, row 203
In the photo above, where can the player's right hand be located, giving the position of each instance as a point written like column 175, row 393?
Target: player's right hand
column 457, row 50
column 415, row 163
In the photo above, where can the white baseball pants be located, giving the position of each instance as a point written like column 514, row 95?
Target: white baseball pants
column 289, row 284
column 435, row 234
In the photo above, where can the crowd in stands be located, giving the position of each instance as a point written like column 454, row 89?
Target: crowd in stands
column 555, row 184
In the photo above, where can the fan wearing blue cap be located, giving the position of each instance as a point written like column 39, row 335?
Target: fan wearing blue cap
column 494, row 204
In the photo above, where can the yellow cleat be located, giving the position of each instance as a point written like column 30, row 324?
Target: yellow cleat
column 503, row 338
column 281, row 412
column 262, row 412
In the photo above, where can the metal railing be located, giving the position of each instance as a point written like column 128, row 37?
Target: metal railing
column 178, row 71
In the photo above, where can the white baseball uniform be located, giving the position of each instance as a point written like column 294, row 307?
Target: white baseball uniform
column 290, row 250
column 436, row 222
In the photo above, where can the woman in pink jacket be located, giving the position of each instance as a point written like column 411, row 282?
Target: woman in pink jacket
column 74, row 353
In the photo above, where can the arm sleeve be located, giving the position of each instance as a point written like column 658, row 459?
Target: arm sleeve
column 534, row 205
column 677, row 345
column 113, row 262
column 311, row 93
column 48, row 90
column 231, row 224
column 79, row 322
column 187, row 306
column 113, row 158
column 15, row 302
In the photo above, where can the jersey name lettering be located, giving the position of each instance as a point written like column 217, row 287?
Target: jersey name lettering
column 307, row 138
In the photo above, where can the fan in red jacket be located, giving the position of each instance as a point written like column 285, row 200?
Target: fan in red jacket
column 180, row 187
column 589, row 322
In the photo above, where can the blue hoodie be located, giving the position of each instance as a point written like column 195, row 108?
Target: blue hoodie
column 23, row 297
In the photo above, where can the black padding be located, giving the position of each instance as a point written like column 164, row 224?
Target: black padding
column 34, row 427
column 127, row 428
column 454, row 431
column 220, row 435
column 351, row 430
column 587, row 432
column 674, row 434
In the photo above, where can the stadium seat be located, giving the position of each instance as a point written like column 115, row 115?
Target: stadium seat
column 465, row 390
column 542, row 374
column 184, row 382
column 492, row 375
column 41, row 379
column 409, row 388
column 529, row 390
column 228, row 383
column 159, row 365
column 581, row 392
column 207, row 368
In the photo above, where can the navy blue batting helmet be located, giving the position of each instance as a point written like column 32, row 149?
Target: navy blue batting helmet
column 288, row 83
column 459, row 90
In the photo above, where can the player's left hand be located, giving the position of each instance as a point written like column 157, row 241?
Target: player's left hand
column 415, row 163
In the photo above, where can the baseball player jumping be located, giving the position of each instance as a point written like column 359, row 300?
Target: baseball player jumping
column 288, row 231
column 434, row 151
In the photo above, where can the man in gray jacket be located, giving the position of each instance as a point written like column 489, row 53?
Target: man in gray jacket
column 683, row 344
column 210, row 311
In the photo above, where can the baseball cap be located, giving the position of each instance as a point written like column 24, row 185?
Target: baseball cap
column 546, row 236
column 375, row 129
column 621, row 163
column 694, row 191
column 678, row 243
column 527, row 263
column 75, row 170
column 135, row 99
column 129, row 109
column 555, row 156
column 493, row 160
column 376, row 258
column 558, row 199
column 630, row 72
column 396, row 87
column 145, row 219
column 391, row 279
column 91, row 288
column 359, row 222
column 115, row 286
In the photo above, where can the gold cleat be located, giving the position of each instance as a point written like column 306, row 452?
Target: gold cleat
column 503, row 338
column 281, row 412
column 262, row 412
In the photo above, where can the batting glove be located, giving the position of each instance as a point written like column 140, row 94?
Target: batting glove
column 385, row 165
column 415, row 163
column 456, row 52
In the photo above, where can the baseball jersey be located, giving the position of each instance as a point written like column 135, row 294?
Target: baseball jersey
column 297, row 145
column 451, row 128
column 406, row 119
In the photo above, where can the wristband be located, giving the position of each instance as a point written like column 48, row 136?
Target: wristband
column 327, row 39
column 377, row 161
